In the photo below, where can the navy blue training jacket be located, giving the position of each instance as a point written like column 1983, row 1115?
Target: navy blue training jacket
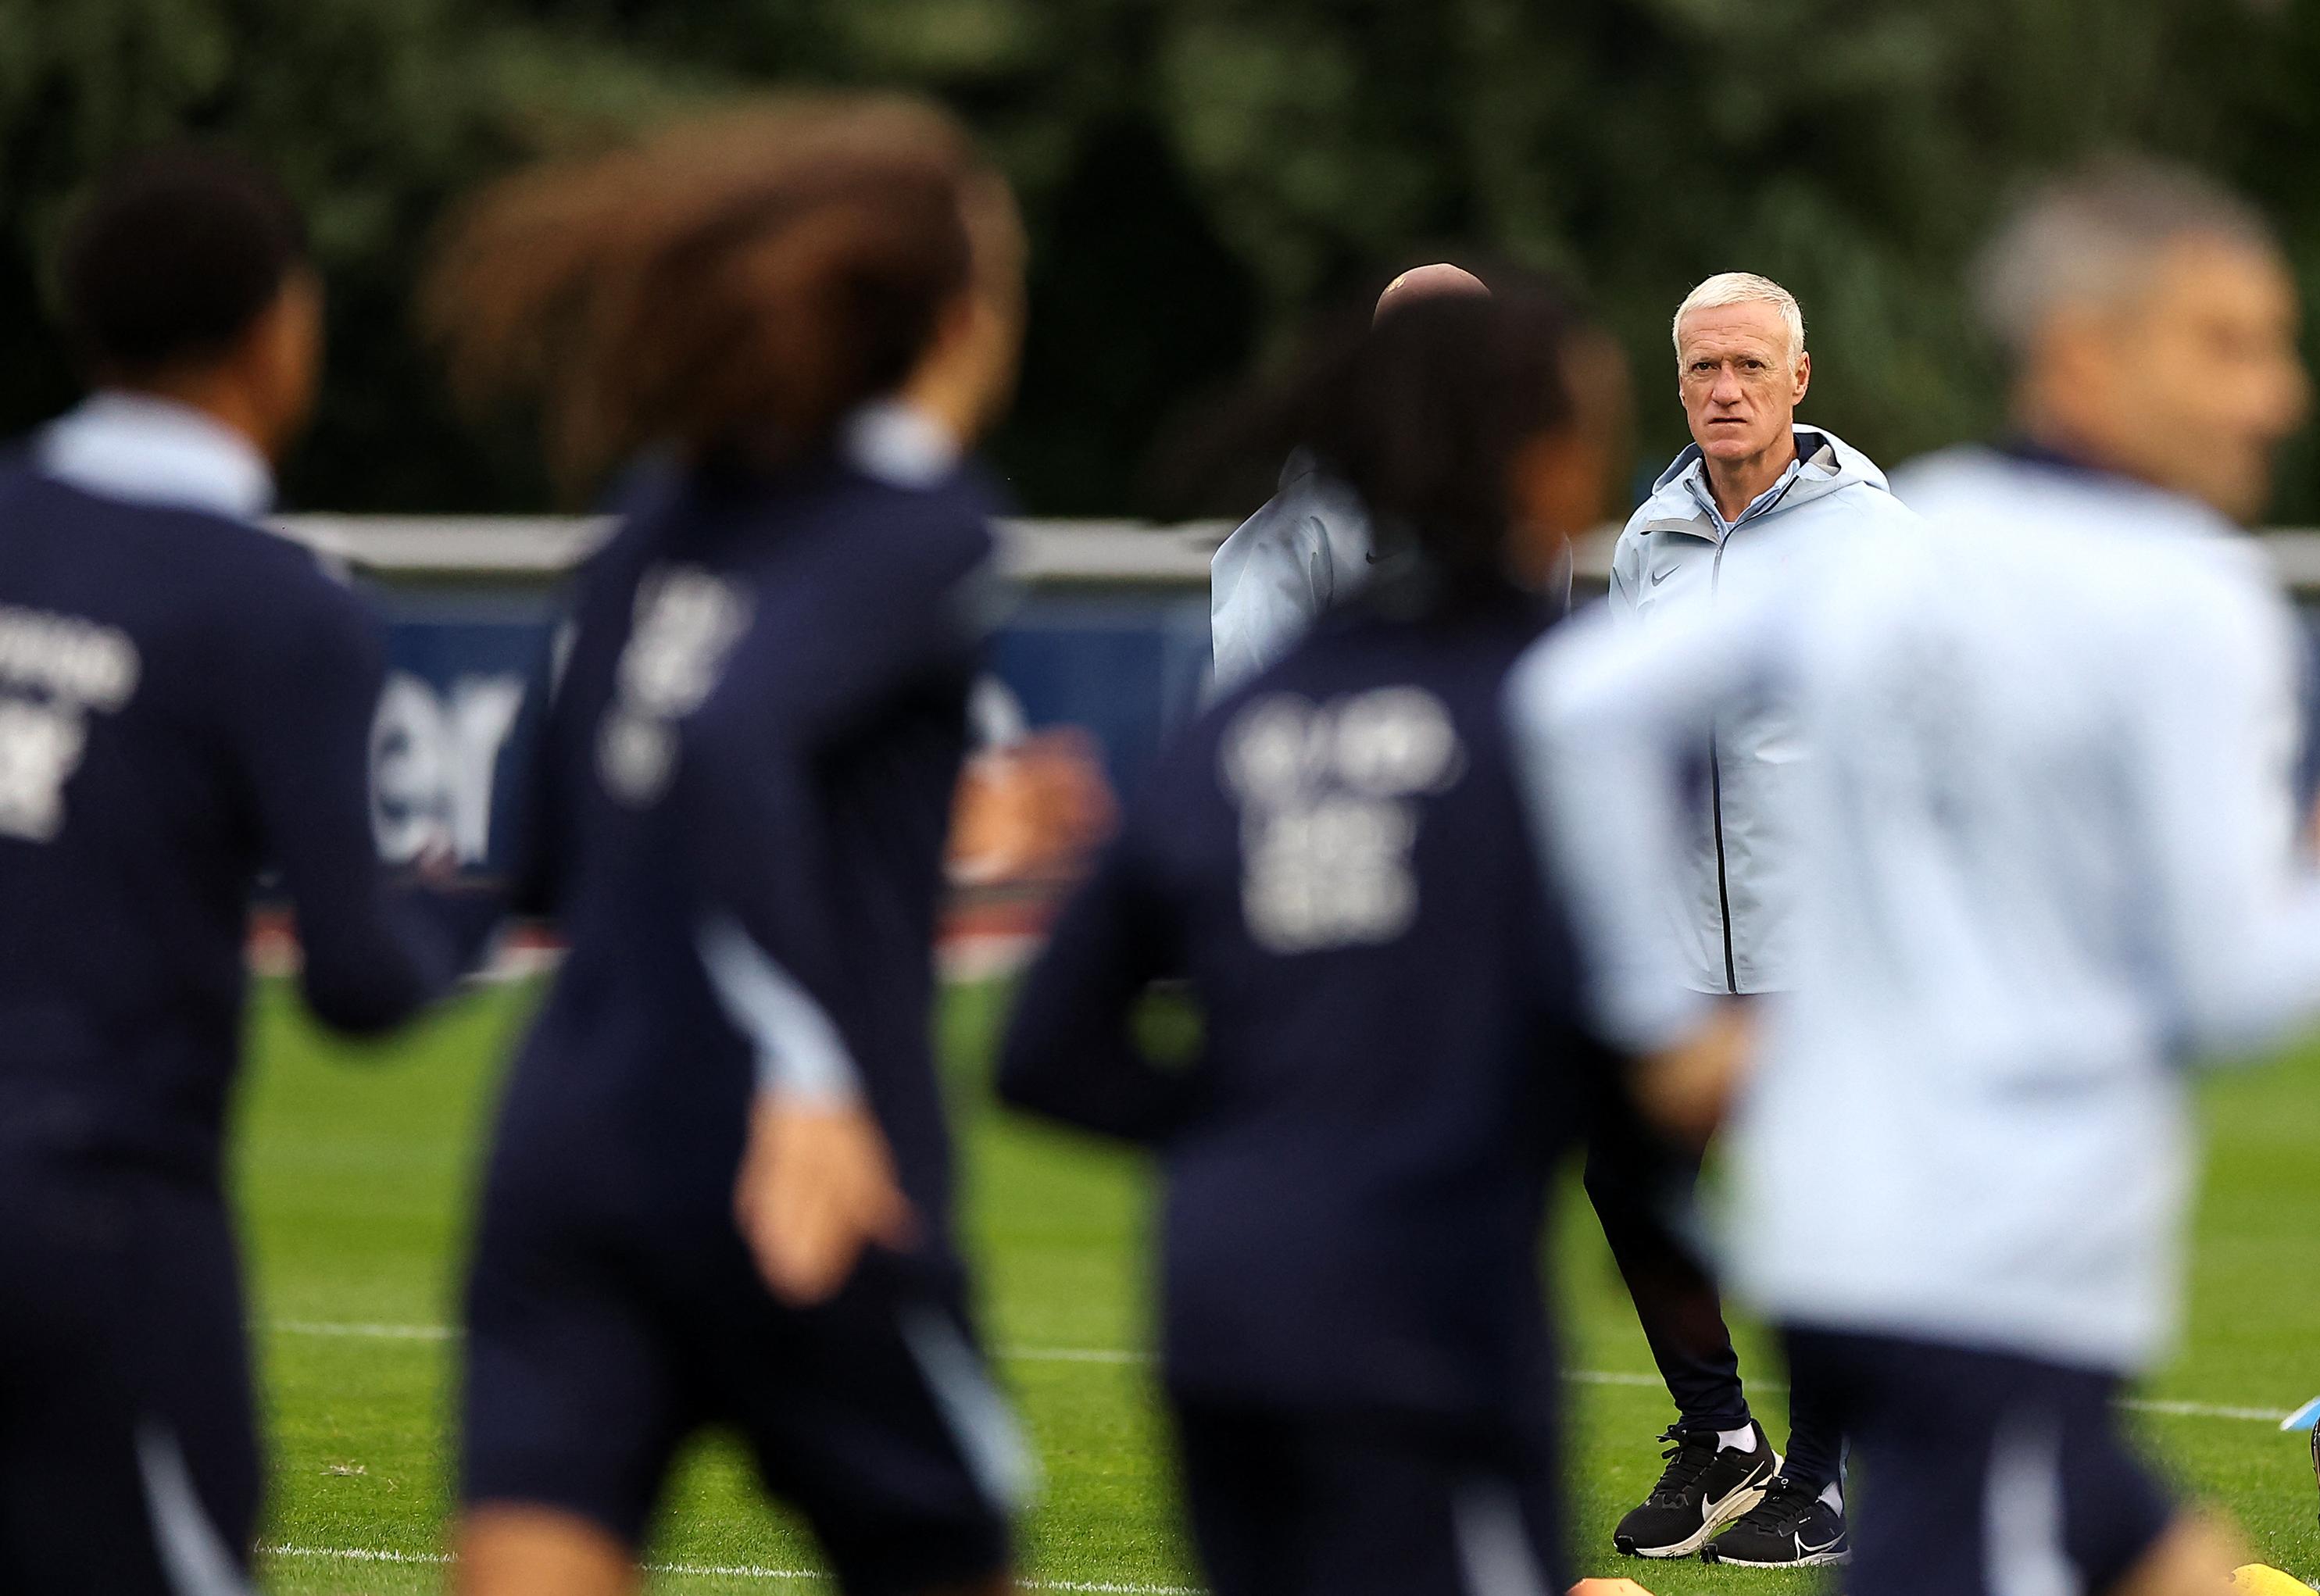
column 1356, row 1161
column 185, row 701
column 744, row 795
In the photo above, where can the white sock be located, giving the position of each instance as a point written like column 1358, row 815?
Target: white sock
column 1832, row 1494
column 1743, row 1439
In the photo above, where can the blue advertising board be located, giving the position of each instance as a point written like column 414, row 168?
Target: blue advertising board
column 1125, row 666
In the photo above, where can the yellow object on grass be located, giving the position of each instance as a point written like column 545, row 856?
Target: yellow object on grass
column 2261, row 1578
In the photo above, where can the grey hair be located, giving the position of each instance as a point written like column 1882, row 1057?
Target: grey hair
column 1742, row 288
column 2092, row 238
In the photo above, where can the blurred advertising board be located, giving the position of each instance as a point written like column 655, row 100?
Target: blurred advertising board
column 1104, row 650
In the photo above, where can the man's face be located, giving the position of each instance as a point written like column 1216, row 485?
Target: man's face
column 2196, row 380
column 1561, row 482
column 1739, row 383
column 281, row 361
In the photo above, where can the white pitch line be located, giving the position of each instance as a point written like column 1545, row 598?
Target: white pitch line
column 725, row 1571
column 2166, row 1408
column 443, row 1332
column 1072, row 1354
column 2162, row 1406
column 367, row 1332
column 355, row 1555
column 1613, row 1378
column 2176, row 1409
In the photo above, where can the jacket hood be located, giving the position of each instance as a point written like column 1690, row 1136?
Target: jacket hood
column 1828, row 464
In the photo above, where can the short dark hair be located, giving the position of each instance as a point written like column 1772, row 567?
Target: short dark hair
column 176, row 252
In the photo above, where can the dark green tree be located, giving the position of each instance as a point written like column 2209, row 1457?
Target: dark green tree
column 375, row 113
column 1198, row 175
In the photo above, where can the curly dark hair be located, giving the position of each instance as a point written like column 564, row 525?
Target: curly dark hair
column 757, row 272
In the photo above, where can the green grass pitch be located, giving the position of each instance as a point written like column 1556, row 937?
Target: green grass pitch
column 355, row 1165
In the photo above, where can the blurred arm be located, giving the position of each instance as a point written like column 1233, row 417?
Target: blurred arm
column 535, row 847
column 1070, row 1052
column 374, row 953
column 1604, row 716
column 817, row 665
column 817, row 1183
column 1687, row 1090
column 1266, row 582
column 2238, row 918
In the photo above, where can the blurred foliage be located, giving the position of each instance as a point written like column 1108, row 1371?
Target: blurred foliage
column 1199, row 174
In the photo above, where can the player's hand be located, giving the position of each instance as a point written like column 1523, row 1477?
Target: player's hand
column 1609, row 1588
column 817, row 1186
column 1036, row 809
column 1687, row 1089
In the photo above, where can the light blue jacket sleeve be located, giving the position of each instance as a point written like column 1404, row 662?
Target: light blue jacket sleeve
column 2213, row 745
column 1304, row 551
column 1626, row 570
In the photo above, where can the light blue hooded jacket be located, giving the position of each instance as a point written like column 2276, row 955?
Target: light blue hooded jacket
column 1677, row 556
column 1308, row 547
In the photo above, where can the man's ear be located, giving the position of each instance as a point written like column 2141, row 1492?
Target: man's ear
column 1804, row 375
column 1558, row 486
column 281, row 358
column 1603, row 397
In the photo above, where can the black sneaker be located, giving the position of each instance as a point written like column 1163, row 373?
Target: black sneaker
column 1792, row 1528
column 1705, row 1486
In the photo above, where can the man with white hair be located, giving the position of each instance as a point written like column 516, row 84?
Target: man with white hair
column 1754, row 492
column 2053, row 865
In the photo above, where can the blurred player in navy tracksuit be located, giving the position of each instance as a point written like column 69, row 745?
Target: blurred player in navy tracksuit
column 1356, row 1340
column 185, row 700
column 809, row 309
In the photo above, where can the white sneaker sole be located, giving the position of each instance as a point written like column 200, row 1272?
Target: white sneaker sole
column 1730, row 1511
column 1817, row 1560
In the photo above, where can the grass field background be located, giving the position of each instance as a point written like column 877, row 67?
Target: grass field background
column 355, row 1166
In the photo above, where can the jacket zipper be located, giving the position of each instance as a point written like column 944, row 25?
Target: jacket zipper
column 1715, row 765
column 1716, row 802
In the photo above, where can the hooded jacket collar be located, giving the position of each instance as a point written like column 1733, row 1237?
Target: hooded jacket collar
column 1680, row 500
column 148, row 450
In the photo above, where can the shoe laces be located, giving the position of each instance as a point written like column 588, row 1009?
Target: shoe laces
column 1786, row 1506
column 1689, row 1458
